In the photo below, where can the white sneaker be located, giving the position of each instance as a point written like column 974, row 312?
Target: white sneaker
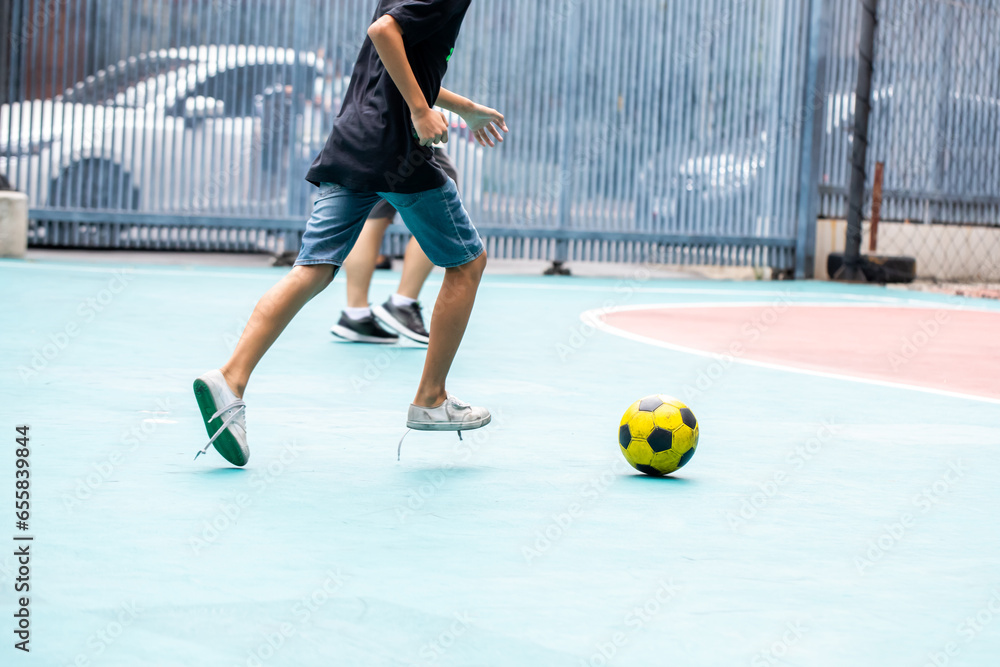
column 452, row 415
column 225, row 418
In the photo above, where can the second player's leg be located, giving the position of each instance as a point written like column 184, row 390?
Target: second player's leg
column 360, row 264
column 402, row 310
column 416, row 268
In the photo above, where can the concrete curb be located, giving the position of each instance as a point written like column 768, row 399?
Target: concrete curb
column 13, row 224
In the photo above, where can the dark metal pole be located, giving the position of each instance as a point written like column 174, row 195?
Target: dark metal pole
column 859, row 153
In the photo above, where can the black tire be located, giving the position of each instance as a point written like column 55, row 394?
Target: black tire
column 880, row 269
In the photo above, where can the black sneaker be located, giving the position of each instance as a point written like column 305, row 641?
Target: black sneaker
column 365, row 330
column 407, row 320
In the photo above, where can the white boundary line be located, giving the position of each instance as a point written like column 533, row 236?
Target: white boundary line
column 594, row 318
column 865, row 303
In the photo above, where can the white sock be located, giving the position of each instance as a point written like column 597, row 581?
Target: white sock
column 358, row 313
column 402, row 301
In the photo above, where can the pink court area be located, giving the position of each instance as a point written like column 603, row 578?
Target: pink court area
column 949, row 350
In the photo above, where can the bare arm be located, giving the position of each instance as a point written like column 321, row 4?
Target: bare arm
column 454, row 102
column 483, row 121
column 387, row 37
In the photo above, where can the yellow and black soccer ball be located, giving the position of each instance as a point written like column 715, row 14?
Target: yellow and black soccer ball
column 658, row 435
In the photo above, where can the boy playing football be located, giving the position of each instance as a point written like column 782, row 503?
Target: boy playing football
column 380, row 147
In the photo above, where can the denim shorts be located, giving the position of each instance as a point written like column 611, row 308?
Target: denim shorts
column 384, row 209
column 436, row 218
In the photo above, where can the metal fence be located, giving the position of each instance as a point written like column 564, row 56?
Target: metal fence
column 935, row 120
column 640, row 130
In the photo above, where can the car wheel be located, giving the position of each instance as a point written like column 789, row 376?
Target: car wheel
column 94, row 184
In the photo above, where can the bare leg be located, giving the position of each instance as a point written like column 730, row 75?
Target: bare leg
column 451, row 316
column 273, row 313
column 360, row 263
column 416, row 268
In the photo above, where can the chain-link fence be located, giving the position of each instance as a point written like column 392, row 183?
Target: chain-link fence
column 935, row 126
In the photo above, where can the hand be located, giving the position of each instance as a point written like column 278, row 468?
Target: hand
column 431, row 127
column 483, row 122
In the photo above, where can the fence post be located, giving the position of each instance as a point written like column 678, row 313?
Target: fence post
column 945, row 85
column 812, row 139
column 6, row 46
column 567, row 139
column 851, row 270
column 12, row 48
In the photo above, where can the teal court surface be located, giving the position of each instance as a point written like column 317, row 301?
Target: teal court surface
column 840, row 509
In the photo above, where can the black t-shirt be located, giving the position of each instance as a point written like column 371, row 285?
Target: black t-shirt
column 373, row 146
